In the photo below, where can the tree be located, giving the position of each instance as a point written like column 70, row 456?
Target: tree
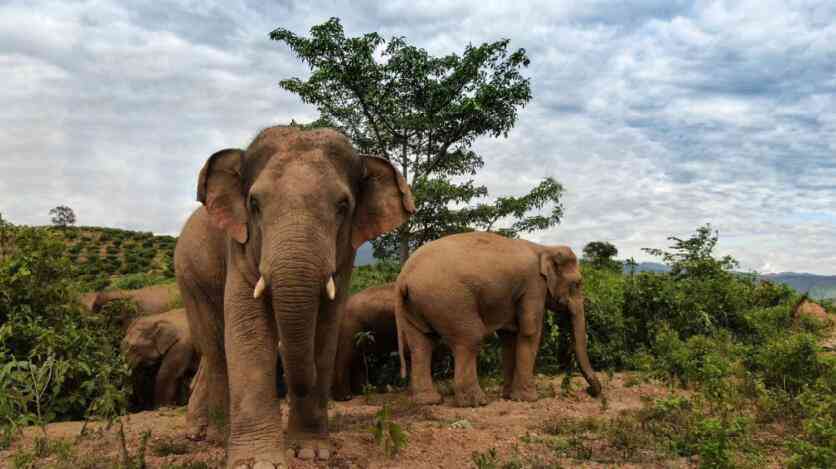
column 424, row 113
column 693, row 257
column 62, row 216
column 600, row 254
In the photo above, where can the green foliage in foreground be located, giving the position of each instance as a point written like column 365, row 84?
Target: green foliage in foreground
column 56, row 362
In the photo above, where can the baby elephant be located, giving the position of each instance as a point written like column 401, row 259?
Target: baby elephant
column 164, row 340
column 466, row 286
column 371, row 310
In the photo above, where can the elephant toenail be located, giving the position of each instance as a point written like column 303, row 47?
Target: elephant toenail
column 263, row 465
column 324, row 454
column 305, row 454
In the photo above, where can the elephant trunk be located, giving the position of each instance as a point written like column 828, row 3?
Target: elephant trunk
column 297, row 276
column 579, row 329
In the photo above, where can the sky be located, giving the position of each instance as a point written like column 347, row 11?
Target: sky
column 657, row 116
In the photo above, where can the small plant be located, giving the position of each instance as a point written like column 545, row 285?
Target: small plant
column 167, row 447
column 128, row 460
column 486, row 460
column 388, row 434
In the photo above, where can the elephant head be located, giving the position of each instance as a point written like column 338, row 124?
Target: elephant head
column 296, row 205
column 561, row 271
column 147, row 341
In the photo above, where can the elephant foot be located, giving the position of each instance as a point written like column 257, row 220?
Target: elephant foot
column 196, row 432
column 473, row 397
column 427, row 397
column 310, row 448
column 506, row 392
column 525, row 395
column 343, row 397
column 268, row 460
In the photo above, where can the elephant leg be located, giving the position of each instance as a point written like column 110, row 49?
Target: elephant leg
column 420, row 354
column 307, row 427
column 465, row 381
column 509, row 359
column 255, row 419
column 528, row 342
column 344, row 367
column 359, row 375
column 206, row 416
column 167, row 382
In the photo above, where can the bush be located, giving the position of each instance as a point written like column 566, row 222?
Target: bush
column 790, row 363
column 137, row 281
column 58, row 362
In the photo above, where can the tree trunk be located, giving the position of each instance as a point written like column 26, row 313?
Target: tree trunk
column 403, row 241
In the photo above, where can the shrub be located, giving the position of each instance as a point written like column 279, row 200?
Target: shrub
column 789, row 362
column 388, row 434
column 46, row 337
column 375, row 274
column 137, row 281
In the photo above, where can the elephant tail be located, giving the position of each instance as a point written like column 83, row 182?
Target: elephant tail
column 400, row 310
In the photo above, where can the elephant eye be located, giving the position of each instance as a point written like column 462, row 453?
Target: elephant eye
column 254, row 208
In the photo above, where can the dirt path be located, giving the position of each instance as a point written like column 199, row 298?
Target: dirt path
column 439, row 436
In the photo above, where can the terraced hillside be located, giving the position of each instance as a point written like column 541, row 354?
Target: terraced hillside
column 114, row 257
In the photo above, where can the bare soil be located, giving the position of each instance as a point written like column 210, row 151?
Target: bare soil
column 440, row 436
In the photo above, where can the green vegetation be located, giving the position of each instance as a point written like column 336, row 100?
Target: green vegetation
column 388, row 434
column 56, row 361
column 105, row 258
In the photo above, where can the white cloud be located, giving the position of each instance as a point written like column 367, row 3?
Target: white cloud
column 657, row 116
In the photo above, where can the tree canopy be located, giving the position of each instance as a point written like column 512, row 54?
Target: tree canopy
column 601, row 254
column 694, row 256
column 62, row 216
column 424, row 113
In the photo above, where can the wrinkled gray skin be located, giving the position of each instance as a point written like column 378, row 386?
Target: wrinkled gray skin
column 371, row 310
column 469, row 285
column 149, row 300
column 291, row 209
column 162, row 339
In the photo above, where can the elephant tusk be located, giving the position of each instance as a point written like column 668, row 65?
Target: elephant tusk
column 331, row 288
column 259, row 288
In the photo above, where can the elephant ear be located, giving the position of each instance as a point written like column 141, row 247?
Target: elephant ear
column 549, row 271
column 384, row 203
column 220, row 190
column 165, row 336
column 553, row 265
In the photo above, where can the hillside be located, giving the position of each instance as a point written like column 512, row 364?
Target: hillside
column 104, row 256
column 819, row 286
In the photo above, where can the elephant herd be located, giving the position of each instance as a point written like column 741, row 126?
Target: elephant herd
column 264, row 268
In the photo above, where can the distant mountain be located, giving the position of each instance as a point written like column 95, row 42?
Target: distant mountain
column 818, row 286
column 648, row 267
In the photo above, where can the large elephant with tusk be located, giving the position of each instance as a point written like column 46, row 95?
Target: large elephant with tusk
column 266, row 264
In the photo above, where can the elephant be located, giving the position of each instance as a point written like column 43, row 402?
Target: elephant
column 469, row 285
column 371, row 310
column 155, row 299
column 164, row 341
column 264, row 268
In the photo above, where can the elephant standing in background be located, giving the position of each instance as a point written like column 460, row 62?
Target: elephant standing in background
column 469, row 285
column 371, row 310
column 149, row 300
column 161, row 339
column 266, row 263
